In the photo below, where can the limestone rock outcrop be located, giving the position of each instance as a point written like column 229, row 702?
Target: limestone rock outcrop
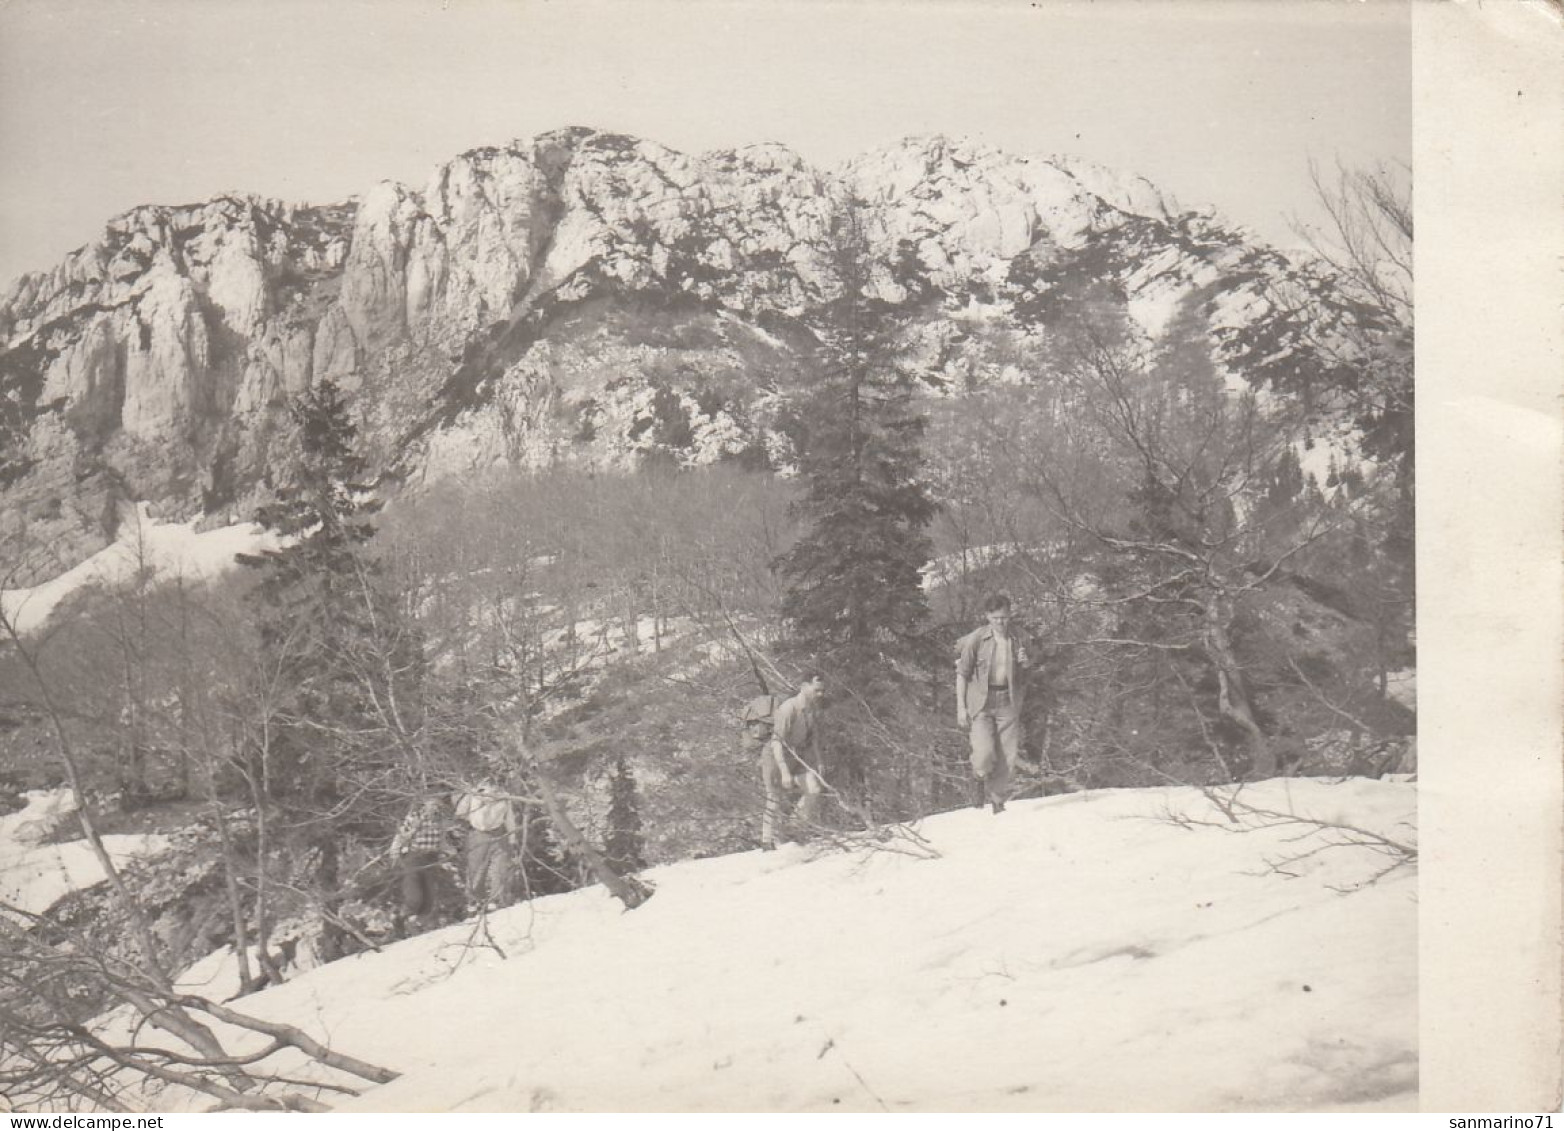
column 579, row 295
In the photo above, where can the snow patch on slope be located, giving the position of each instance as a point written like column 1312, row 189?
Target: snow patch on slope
column 168, row 550
column 34, row 876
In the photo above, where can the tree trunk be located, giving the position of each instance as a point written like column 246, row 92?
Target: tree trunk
column 173, row 1019
column 333, row 944
column 263, row 925
column 1232, row 691
column 235, row 900
column 626, row 889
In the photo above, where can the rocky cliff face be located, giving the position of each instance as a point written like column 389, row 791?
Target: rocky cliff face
column 580, row 295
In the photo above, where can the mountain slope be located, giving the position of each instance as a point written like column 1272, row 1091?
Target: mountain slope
column 1081, row 952
column 580, row 295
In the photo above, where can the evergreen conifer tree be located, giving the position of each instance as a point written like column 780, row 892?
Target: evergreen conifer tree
column 626, row 847
column 343, row 668
column 854, row 598
column 854, row 580
column 311, row 600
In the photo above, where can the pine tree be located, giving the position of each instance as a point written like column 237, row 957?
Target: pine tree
column 854, row 598
column 626, row 847
column 341, row 670
column 854, row 580
column 312, row 601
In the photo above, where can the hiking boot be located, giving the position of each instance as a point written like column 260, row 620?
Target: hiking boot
column 998, row 806
column 980, row 794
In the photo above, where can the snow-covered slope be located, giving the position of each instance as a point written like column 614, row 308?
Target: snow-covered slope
column 1077, row 953
column 33, row 876
column 167, row 550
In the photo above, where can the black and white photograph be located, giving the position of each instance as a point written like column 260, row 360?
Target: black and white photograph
column 714, row 556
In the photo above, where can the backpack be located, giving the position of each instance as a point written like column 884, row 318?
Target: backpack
column 759, row 718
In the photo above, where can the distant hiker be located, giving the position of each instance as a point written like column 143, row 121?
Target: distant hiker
column 991, row 664
column 420, row 848
column 490, row 820
column 791, row 759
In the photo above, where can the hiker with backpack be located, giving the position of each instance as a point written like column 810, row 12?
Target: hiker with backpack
column 790, row 757
column 756, row 722
column 991, row 671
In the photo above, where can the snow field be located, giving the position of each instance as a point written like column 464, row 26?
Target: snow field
column 1076, row 953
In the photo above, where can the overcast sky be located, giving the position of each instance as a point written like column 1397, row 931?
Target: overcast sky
column 106, row 104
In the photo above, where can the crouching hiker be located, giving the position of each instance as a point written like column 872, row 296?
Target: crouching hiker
column 491, row 834
column 791, row 760
column 421, row 847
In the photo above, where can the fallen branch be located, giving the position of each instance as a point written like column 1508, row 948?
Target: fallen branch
column 1242, row 817
column 630, row 890
column 287, row 1035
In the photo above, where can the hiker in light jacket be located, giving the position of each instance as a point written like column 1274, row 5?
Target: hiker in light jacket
column 991, row 670
column 791, row 760
column 490, row 820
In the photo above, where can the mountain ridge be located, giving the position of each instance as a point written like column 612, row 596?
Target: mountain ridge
column 156, row 363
